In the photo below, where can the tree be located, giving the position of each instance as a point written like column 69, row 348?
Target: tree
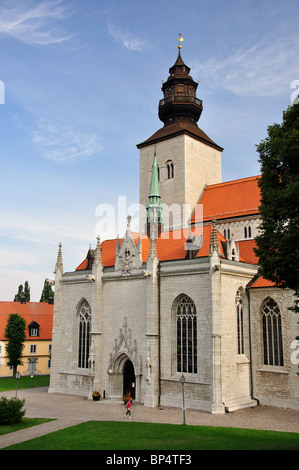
column 47, row 292
column 277, row 245
column 16, row 335
column 19, row 294
column 23, row 292
column 27, row 292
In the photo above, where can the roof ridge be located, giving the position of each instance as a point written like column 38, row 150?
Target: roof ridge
column 236, row 181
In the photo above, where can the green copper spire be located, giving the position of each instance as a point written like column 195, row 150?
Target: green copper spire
column 154, row 189
column 153, row 208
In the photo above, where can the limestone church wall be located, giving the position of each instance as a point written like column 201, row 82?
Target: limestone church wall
column 224, row 377
column 236, row 359
column 123, row 333
column 275, row 384
column 189, row 278
column 65, row 376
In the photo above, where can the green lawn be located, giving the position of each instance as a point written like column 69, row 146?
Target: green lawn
column 26, row 423
column 106, row 435
column 9, row 383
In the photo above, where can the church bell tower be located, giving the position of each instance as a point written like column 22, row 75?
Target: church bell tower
column 179, row 103
column 187, row 159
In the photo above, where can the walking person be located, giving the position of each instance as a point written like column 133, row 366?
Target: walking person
column 128, row 407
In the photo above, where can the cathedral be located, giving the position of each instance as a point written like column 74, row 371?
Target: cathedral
column 181, row 302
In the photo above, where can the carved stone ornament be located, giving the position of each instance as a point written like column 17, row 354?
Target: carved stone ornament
column 128, row 255
column 124, row 345
column 126, row 260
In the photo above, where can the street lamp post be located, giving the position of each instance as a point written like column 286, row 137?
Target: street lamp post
column 18, row 375
column 182, row 380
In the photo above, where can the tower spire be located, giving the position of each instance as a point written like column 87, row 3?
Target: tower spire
column 180, row 39
column 154, row 188
column 153, row 208
column 180, row 102
column 59, row 263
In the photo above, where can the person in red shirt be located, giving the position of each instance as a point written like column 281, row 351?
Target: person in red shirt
column 128, row 407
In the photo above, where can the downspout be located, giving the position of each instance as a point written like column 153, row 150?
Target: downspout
column 250, row 347
column 159, row 332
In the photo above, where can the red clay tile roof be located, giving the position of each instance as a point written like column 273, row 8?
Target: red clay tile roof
column 261, row 282
column 230, row 199
column 169, row 246
column 39, row 312
column 246, row 251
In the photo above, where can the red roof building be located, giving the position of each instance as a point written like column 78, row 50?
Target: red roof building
column 39, row 322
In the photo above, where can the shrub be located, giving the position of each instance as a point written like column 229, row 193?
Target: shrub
column 11, row 411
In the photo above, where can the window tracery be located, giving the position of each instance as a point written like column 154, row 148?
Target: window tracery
column 186, row 335
column 84, row 335
column 272, row 333
column 240, row 320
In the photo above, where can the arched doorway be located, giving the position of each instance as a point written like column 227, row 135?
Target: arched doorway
column 129, row 380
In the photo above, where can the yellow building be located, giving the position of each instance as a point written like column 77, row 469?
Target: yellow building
column 38, row 343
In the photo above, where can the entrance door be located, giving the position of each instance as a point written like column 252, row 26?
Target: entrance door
column 129, row 379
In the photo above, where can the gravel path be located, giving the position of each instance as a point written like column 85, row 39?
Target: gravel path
column 69, row 410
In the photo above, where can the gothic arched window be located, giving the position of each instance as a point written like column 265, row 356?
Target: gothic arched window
column 186, row 335
column 84, row 335
column 272, row 333
column 240, row 320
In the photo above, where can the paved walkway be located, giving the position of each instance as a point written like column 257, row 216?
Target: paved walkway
column 69, row 410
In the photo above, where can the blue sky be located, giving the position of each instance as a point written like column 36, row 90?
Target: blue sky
column 82, row 82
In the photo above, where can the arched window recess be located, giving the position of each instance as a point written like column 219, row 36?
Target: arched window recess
column 84, row 319
column 170, row 169
column 186, row 335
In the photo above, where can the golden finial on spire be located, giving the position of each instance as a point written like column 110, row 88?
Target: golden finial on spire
column 180, row 39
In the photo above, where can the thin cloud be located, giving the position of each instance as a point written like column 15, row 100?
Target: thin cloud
column 38, row 229
column 33, row 22
column 126, row 39
column 65, row 145
column 265, row 69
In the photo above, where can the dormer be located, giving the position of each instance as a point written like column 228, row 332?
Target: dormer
column 33, row 329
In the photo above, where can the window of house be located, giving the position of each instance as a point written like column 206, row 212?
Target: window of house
column 186, row 335
column 84, row 335
column 33, row 329
column 32, row 348
column 32, row 365
column 272, row 333
column 240, row 320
